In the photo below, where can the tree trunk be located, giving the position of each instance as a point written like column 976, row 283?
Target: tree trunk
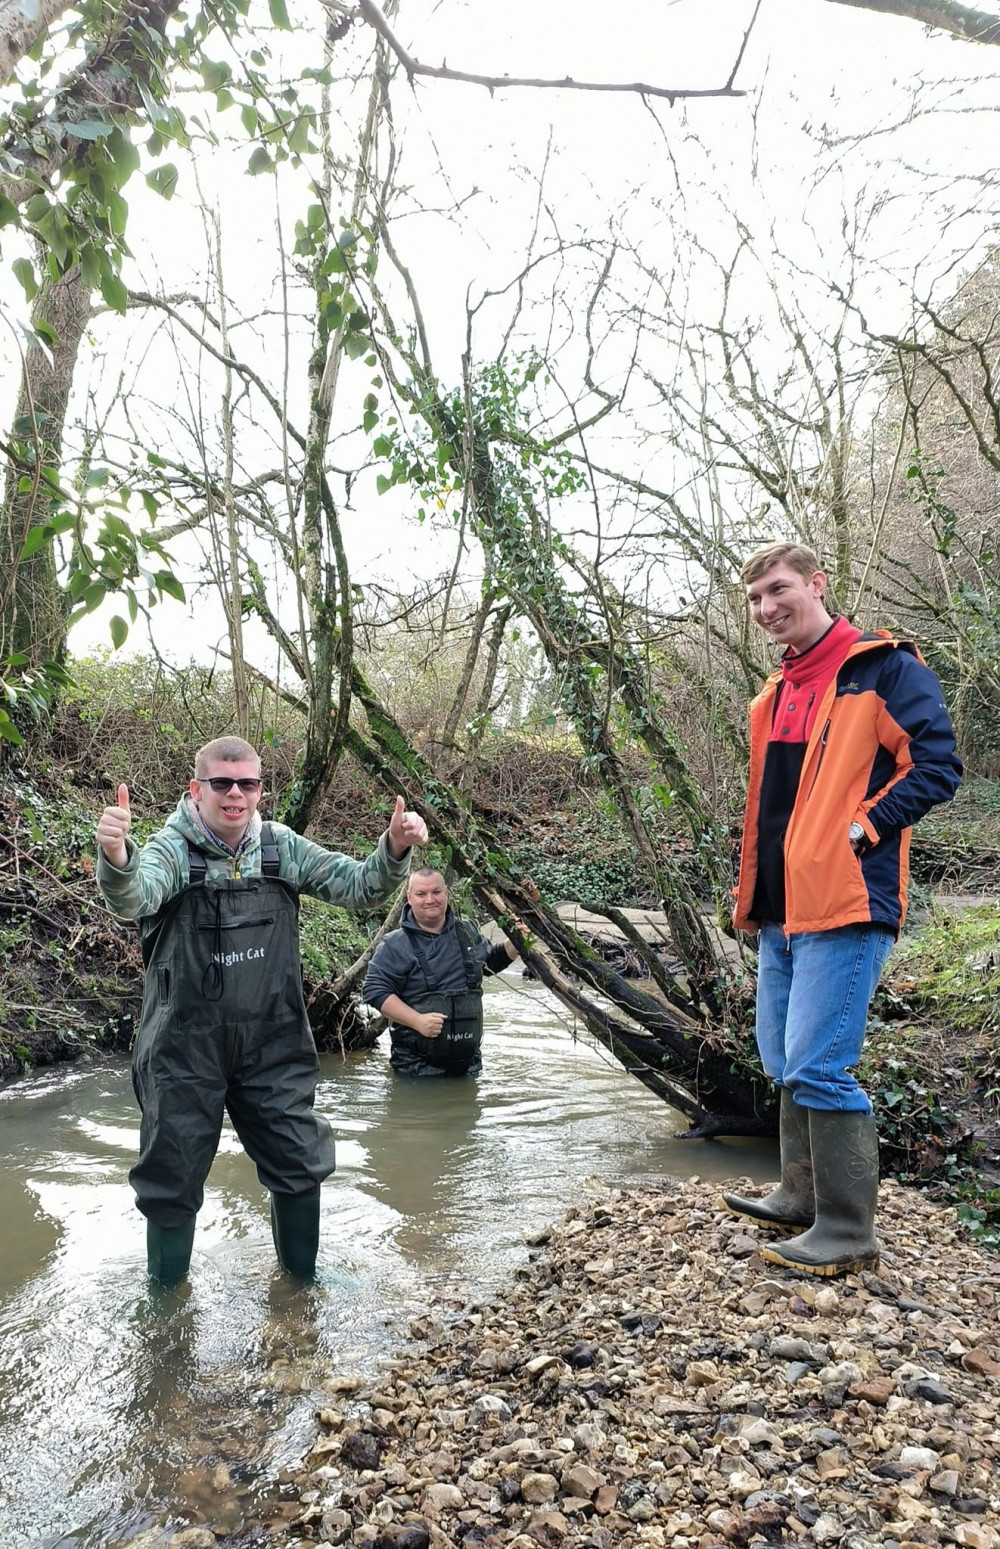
column 35, row 606
column 20, row 30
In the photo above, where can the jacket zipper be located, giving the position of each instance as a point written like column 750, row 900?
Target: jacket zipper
column 822, row 754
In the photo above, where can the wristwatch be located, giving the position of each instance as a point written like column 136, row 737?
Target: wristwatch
column 855, row 832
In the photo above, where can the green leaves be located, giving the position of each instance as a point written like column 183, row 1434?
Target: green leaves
column 279, row 14
column 163, row 180
column 89, row 129
column 24, row 273
column 114, row 292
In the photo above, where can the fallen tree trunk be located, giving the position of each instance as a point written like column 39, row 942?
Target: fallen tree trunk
column 709, row 1073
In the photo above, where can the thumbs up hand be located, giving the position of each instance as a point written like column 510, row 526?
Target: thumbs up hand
column 405, row 829
column 112, row 828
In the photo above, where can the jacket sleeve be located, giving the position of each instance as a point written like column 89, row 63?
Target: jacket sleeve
column 915, row 728
column 387, row 972
column 335, row 878
column 497, row 959
column 149, row 877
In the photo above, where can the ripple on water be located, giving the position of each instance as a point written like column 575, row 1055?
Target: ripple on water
column 121, row 1409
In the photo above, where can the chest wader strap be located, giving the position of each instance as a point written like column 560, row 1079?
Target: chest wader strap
column 471, row 968
column 270, row 860
column 150, row 926
column 460, row 1039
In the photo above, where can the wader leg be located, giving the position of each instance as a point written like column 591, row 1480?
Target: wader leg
column 270, row 1102
column 168, row 1250
column 295, row 1229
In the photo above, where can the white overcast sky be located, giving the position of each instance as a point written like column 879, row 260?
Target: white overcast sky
column 809, row 62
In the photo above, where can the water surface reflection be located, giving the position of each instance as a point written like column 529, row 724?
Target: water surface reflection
column 124, row 1409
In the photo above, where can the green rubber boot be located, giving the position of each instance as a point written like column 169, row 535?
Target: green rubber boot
column 295, row 1229
column 168, row 1250
column 845, row 1162
column 792, row 1205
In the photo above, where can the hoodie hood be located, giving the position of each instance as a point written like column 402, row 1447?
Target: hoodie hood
column 186, row 821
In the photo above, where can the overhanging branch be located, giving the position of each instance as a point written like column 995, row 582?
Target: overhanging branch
column 374, row 16
column 960, row 21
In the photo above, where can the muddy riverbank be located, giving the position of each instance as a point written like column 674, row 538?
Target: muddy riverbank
column 645, row 1379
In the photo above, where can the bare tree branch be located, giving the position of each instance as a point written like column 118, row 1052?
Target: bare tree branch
column 375, row 18
column 961, row 21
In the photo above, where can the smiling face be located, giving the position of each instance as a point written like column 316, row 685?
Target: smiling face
column 427, row 896
column 228, row 814
column 788, row 606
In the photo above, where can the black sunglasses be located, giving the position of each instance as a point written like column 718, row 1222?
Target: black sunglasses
column 221, row 784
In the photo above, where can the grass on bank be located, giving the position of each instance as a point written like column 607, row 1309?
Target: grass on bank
column 932, row 1062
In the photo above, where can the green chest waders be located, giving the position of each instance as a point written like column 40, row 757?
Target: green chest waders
column 224, row 1030
column 456, row 1049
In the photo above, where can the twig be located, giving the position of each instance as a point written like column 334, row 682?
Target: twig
column 37, row 864
column 413, row 67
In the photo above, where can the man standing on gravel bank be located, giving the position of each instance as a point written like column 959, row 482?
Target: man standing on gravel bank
column 224, row 1025
column 850, row 744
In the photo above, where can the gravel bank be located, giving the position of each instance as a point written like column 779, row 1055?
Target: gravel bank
column 647, row 1380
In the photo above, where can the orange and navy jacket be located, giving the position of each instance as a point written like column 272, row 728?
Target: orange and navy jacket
column 881, row 753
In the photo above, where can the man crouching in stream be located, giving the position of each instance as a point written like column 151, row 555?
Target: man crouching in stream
column 427, row 980
column 224, row 1027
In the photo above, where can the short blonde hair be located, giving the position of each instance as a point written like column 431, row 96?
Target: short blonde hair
column 796, row 555
column 224, row 750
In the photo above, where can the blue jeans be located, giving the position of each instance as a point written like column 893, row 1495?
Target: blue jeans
column 813, row 991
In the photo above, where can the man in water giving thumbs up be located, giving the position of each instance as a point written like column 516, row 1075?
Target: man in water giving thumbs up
column 224, row 1025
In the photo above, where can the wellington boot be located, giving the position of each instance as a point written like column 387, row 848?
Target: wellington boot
column 845, row 1168
column 168, row 1250
column 791, row 1207
column 295, row 1229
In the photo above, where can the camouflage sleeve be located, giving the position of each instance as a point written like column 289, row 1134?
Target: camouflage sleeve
column 150, row 876
column 335, row 878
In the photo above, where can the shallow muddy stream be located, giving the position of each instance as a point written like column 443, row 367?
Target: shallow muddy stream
column 128, row 1412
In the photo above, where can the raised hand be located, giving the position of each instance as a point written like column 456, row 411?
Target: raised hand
column 405, row 829
column 112, row 828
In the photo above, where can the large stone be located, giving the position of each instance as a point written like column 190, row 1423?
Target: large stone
column 441, row 1497
column 580, row 1479
column 538, row 1489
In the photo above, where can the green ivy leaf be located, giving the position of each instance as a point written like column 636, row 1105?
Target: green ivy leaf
column 123, row 153
column 33, row 542
column 90, row 266
column 167, row 582
column 259, row 162
column 90, row 129
column 163, row 180
column 115, row 293
column 24, row 271
column 215, row 73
